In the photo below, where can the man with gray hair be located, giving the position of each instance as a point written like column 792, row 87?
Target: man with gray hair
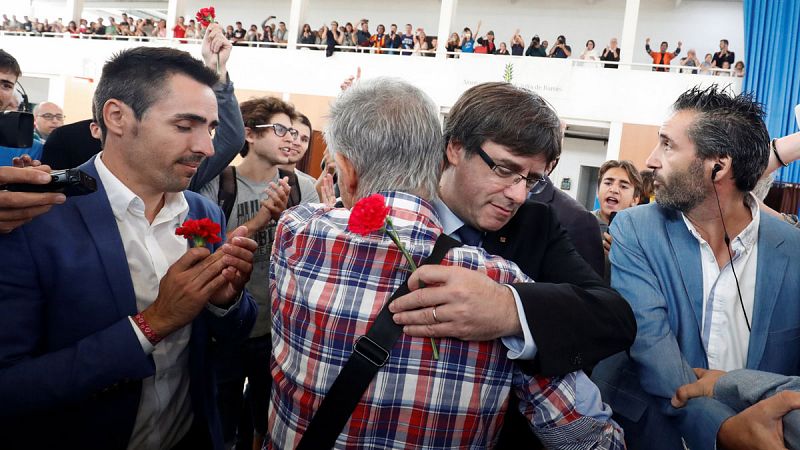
column 331, row 286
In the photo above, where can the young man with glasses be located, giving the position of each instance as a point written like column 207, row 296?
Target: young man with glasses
column 47, row 117
column 254, row 194
column 569, row 319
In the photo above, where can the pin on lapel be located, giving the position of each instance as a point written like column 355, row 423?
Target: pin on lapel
column 503, row 239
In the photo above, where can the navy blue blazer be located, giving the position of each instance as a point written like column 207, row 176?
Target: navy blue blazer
column 656, row 266
column 70, row 363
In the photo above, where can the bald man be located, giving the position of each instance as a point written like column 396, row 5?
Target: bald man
column 47, row 116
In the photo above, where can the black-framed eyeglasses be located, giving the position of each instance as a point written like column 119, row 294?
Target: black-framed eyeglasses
column 48, row 116
column 280, row 130
column 533, row 183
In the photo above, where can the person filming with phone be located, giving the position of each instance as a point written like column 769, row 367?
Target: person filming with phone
column 17, row 208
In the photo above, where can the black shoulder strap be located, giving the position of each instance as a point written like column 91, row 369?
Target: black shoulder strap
column 370, row 353
column 294, row 184
column 226, row 197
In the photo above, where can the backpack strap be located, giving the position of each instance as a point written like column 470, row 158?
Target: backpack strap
column 370, row 353
column 228, row 190
column 294, row 184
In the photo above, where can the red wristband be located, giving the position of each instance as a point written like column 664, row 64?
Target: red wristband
column 148, row 332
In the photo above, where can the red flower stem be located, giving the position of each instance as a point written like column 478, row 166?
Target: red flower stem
column 393, row 235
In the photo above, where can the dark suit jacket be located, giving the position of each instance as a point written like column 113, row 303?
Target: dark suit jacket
column 575, row 318
column 581, row 225
column 71, row 364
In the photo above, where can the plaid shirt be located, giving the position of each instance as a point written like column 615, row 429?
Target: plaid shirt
column 329, row 286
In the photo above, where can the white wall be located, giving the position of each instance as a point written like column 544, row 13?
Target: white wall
column 576, row 153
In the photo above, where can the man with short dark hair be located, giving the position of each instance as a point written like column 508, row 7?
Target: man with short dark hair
column 280, row 33
column 239, row 34
column 260, row 193
column 488, row 42
column 619, row 187
column 407, row 40
column 363, row 35
column 723, row 55
column 568, row 319
column 712, row 279
column 120, row 359
column 662, row 57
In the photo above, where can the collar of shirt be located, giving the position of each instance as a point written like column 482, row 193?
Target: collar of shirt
column 450, row 221
column 747, row 238
column 124, row 201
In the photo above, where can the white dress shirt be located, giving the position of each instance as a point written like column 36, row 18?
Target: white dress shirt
column 165, row 410
column 725, row 334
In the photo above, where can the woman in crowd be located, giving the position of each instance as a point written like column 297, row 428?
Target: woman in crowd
column 502, row 50
column 560, row 49
column 229, row 33
column 191, row 30
column 161, row 30
column 706, row 65
column 690, row 61
column 421, row 42
column 589, row 53
column 738, row 69
column 307, row 36
column 72, row 29
column 468, row 39
column 453, row 44
column 268, row 34
column 347, row 36
column 517, row 44
column 611, row 53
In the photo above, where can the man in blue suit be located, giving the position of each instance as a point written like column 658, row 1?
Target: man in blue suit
column 672, row 261
column 107, row 318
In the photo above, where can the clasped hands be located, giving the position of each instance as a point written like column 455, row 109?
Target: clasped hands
column 198, row 278
column 468, row 305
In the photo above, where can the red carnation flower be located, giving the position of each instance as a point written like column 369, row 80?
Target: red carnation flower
column 368, row 215
column 371, row 214
column 206, row 16
column 200, row 232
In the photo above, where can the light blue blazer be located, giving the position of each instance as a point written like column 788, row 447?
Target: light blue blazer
column 656, row 266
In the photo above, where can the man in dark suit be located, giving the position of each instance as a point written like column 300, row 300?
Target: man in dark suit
column 581, row 225
column 107, row 315
column 569, row 319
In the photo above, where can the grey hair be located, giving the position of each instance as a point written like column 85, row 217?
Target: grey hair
column 391, row 133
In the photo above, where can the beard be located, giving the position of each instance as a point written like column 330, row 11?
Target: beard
column 682, row 190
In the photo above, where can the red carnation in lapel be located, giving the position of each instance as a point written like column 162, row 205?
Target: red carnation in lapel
column 200, row 232
column 368, row 215
column 371, row 214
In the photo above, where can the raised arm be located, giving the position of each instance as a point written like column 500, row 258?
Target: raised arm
column 229, row 136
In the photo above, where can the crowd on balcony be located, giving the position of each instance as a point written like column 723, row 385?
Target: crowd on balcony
column 407, row 42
